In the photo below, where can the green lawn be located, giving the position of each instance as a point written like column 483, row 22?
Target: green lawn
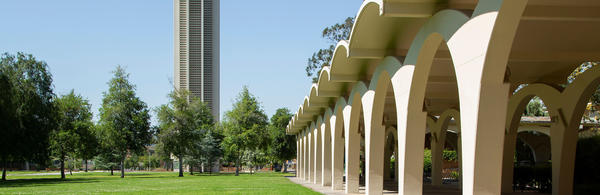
column 151, row 183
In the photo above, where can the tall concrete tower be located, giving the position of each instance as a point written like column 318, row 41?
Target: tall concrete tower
column 197, row 50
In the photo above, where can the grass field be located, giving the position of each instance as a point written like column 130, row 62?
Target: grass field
column 150, row 183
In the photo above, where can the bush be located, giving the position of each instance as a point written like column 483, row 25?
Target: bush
column 427, row 162
column 450, row 155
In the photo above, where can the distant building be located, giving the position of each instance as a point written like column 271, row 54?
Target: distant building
column 197, row 50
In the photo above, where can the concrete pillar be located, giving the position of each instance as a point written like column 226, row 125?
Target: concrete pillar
column 337, row 151
column 386, row 159
column 317, row 155
column 297, row 155
column 326, row 155
column 510, row 141
column 564, row 143
column 352, row 143
column 374, row 147
column 438, row 138
column 396, row 162
column 305, row 165
column 311, row 157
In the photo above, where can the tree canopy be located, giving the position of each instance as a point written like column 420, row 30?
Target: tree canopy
column 28, row 113
column 73, row 136
column 322, row 58
column 244, row 127
column 124, row 118
column 282, row 146
column 183, row 123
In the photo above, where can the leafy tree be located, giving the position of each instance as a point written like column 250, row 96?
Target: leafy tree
column 244, row 127
column 211, row 148
column 321, row 58
column 88, row 144
column 124, row 118
column 182, row 122
column 595, row 99
column 27, row 109
column 282, row 146
column 74, row 124
column 535, row 107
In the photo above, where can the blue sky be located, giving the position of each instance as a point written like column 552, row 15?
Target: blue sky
column 264, row 44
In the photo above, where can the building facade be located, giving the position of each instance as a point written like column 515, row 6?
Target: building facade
column 197, row 50
column 411, row 68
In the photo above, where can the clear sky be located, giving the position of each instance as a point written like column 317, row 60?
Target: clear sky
column 264, row 44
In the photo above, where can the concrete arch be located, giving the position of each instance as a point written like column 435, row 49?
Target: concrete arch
column 375, row 129
column 326, row 149
column 351, row 114
column 311, row 152
column 318, row 152
column 438, row 128
column 336, row 122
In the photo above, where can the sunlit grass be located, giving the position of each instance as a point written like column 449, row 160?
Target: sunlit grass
column 150, row 183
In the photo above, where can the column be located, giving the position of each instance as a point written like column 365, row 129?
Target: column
column 311, row 157
column 317, row 155
column 352, row 143
column 326, row 155
column 438, row 138
column 374, row 146
column 337, row 153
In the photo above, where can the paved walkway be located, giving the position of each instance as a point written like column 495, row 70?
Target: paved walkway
column 428, row 189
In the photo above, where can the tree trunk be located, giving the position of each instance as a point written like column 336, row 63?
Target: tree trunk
column 71, row 165
column 123, row 167
column 191, row 170
column 237, row 167
column 180, row 166
column 62, row 168
column 111, row 170
column 284, row 167
column 251, row 169
column 4, row 165
column 86, row 167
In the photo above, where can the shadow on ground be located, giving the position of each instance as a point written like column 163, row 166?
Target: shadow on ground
column 44, row 181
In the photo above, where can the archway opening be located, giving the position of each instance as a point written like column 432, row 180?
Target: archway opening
column 441, row 103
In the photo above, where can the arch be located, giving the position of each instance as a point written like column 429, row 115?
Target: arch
column 318, row 141
column 351, row 114
column 336, row 122
column 326, row 149
column 374, row 102
column 438, row 128
column 411, row 118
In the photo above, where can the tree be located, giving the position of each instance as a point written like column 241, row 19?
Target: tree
column 74, row 126
column 88, row 144
column 535, row 107
column 182, row 122
column 322, row 58
column 244, row 127
column 211, row 148
column 282, row 146
column 124, row 118
column 580, row 70
column 27, row 111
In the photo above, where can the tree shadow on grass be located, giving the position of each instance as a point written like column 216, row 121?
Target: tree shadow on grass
column 44, row 181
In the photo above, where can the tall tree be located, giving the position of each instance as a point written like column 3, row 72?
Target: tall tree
column 322, row 58
column 244, row 127
column 282, row 146
column 124, row 118
column 74, row 124
column 211, row 148
column 89, row 144
column 182, row 123
column 27, row 101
